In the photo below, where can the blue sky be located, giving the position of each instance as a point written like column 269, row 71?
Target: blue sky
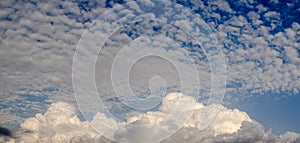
column 279, row 114
column 260, row 42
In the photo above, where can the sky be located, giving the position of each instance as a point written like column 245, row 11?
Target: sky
column 281, row 111
column 241, row 55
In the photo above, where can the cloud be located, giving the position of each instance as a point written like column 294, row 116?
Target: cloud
column 245, row 37
column 60, row 124
column 38, row 40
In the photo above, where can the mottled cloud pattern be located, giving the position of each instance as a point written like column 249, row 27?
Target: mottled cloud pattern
column 38, row 41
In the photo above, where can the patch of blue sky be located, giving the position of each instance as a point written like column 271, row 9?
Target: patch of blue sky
column 27, row 104
column 274, row 111
column 23, row 109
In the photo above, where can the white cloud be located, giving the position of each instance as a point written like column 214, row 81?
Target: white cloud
column 60, row 124
column 223, row 5
column 259, row 61
column 37, row 46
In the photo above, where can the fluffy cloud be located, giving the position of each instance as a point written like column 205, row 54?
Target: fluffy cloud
column 60, row 124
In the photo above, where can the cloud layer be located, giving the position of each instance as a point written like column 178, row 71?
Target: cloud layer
column 60, row 124
column 38, row 41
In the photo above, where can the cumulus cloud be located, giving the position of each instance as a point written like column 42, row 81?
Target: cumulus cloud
column 60, row 124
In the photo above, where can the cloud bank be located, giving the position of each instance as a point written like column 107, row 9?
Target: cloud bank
column 60, row 124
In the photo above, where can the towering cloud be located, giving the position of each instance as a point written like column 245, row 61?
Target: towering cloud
column 60, row 124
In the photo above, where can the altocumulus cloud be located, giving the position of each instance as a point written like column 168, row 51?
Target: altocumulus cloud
column 260, row 44
column 60, row 124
